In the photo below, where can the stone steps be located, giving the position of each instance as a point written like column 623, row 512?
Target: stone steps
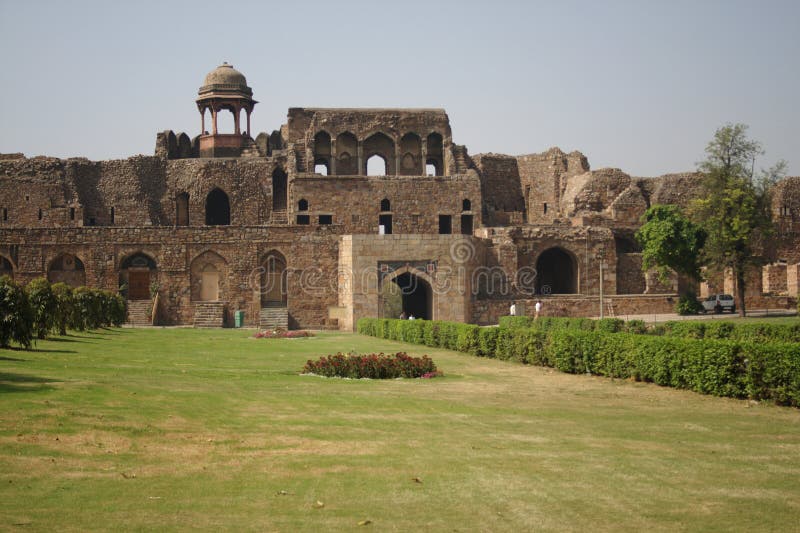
column 209, row 315
column 273, row 317
column 279, row 216
column 140, row 312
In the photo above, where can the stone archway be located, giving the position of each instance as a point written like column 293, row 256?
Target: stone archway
column 208, row 277
column 556, row 272
column 67, row 268
column 416, row 294
column 274, row 280
column 138, row 272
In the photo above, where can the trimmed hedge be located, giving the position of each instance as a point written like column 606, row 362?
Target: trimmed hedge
column 749, row 368
column 716, row 329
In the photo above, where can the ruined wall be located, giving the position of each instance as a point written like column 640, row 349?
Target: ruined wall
column 311, row 253
column 503, row 201
column 543, row 177
column 416, row 203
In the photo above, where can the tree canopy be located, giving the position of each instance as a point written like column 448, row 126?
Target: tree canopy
column 670, row 241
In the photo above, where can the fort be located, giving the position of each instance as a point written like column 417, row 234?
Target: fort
column 323, row 220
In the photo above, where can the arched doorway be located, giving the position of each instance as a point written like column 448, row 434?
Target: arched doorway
column 6, row 268
column 556, row 272
column 137, row 272
column 209, row 283
column 273, row 280
column 218, row 208
column 208, row 273
column 416, row 295
column 67, row 268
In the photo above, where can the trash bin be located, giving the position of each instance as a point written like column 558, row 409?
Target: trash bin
column 238, row 319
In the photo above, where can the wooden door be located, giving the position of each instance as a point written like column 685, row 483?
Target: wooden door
column 139, row 285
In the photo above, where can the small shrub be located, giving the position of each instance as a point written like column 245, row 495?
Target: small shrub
column 279, row 333
column 65, row 307
column 372, row 366
column 636, row 326
column 44, row 306
column 688, row 305
column 610, row 325
column 16, row 315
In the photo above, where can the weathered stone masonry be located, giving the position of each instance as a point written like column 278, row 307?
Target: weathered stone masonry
column 292, row 224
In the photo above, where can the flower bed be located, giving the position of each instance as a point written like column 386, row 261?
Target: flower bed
column 282, row 334
column 373, row 366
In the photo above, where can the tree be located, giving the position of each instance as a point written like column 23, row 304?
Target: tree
column 16, row 316
column 44, row 305
column 65, row 307
column 734, row 207
column 670, row 241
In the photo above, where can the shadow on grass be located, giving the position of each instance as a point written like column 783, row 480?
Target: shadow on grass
column 24, row 383
column 36, row 350
column 3, row 358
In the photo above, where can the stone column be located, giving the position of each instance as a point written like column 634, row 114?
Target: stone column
column 396, row 160
column 249, row 132
column 332, row 170
column 236, row 114
column 213, row 121
column 361, row 170
column 424, row 156
column 202, row 121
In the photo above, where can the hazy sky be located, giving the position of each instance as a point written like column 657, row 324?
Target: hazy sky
column 639, row 85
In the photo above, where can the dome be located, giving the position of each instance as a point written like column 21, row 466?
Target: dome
column 225, row 78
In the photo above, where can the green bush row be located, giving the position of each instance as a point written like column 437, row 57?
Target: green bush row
column 738, row 369
column 715, row 329
column 611, row 325
column 34, row 310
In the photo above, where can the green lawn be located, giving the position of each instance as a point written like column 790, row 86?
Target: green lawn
column 182, row 429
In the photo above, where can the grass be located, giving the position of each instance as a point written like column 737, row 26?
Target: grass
column 184, row 429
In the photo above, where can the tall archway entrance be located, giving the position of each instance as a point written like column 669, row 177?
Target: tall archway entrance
column 273, row 280
column 137, row 272
column 416, row 296
column 556, row 272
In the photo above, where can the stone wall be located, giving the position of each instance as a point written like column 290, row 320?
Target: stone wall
column 415, row 202
column 445, row 263
column 543, row 177
column 501, row 188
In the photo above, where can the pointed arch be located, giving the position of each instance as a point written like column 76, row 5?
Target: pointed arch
column 218, row 208
column 208, row 272
column 274, row 279
column 67, row 268
column 6, row 267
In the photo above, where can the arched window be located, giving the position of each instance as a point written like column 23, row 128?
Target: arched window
column 382, row 146
column 466, row 205
column 386, row 205
column 376, row 166
column 218, row 209
column 182, row 209
column 435, row 155
column 302, row 205
column 322, row 153
column 321, row 167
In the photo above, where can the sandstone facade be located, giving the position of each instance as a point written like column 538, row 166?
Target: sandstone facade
column 294, row 221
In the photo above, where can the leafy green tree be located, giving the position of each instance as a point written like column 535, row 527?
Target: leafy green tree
column 16, row 316
column 670, row 241
column 44, row 306
column 65, row 307
column 734, row 207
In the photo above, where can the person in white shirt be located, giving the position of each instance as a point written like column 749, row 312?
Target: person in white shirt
column 537, row 308
column 513, row 309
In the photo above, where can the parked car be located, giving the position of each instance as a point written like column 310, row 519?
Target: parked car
column 718, row 303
